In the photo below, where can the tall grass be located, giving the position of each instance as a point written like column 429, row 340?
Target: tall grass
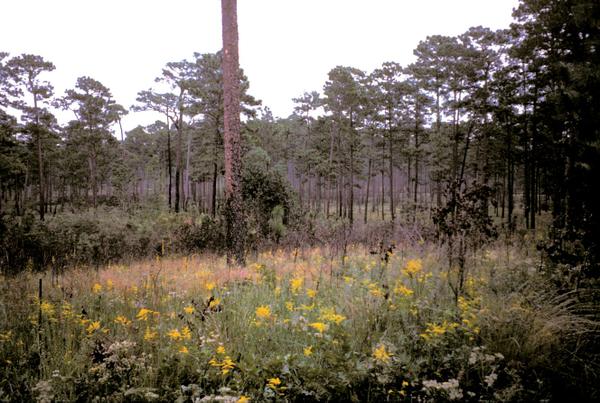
column 304, row 325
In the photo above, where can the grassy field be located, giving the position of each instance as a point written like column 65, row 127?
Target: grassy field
column 302, row 325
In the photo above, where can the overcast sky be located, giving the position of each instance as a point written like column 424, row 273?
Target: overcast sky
column 287, row 47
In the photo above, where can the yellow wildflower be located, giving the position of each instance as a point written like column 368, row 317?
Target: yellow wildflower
column 220, row 350
column 93, row 327
column 186, row 333
column 318, row 326
column 413, row 266
column 47, row 308
column 227, row 365
column 243, row 399
column 109, row 284
column 97, row 288
column 183, row 350
column 381, row 354
column 143, row 314
column 273, row 383
column 175, row 334
column 308, row 351
column 296, row 284
column 122, row 320
column 214, row 303
column 401, row 289
column 329, row 315
column 189, row 309
column 289, row 305
column 263, row 312
column 210, row 285
column 150, row 335
column 311, row 293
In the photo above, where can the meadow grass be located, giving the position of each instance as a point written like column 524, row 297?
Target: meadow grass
column 303, row 325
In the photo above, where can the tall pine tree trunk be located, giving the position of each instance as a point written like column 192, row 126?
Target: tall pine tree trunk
column 235, row 222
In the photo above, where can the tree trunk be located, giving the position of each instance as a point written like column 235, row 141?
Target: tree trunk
column 236, row 228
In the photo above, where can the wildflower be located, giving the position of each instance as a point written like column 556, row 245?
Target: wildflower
column 150, row 335
column 97, row 288
column 186, row 333
column 189, row 309
column 109, row 284
column 143, row 314
column 308, row 351
column 93, row 327
column 183, row 350
column 401, row 289
column 220, row 350
column 175, row 335
column 318, row 326
column 289, row 305
column 122, row 320
column 273, row 383
column 263, row 312
column 413, row 266
column 227, row 365
column 374, row 290
column 67, row 310
column 381, row 354
column 210, row 285
column 296, row 284
column 243, row 399
column 47, row 308
column 214, row 303
column 329, row 315
column 311, row 293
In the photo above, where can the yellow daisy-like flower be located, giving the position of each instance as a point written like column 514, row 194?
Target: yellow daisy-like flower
column 210, row 285
column 401, row 289
column 273, row 383
column 122, row 320
column 150, row 335
column 308, row 351
column 97, row 288
column 143, row 314
column 47, row 308
column 92, row 327
column 413, row 266
column 263, row 312
column 381, row 354
column 186, row 333
column 311, row 293
column 220, row 350
column 183, row 350
column 243, row 399
column 109, row 284
column 214, row 303
column 175, row 334
column 318, row 326
column 296, row 284
column 189, row 309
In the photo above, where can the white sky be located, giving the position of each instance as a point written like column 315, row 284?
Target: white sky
column 287, row 47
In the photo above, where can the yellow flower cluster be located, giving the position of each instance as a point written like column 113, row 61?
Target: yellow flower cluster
column 381, row 354
column 412, row 267
column 263, row 312
column 434, row 330
column 402, row 290
column 296, row 284
column 122, row 320
column 225, row 366
column 145, row 313
column 329, row 315
column 319, row 326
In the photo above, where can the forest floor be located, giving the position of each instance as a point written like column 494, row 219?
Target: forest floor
column 299, row 325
